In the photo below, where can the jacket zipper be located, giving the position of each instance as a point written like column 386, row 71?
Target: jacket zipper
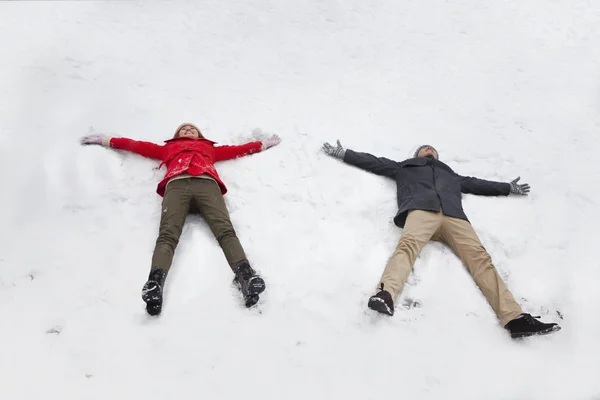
column 435, row 185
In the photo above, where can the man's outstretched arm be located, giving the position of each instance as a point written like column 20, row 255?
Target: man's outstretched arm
column 368, row 162
column 482, row 187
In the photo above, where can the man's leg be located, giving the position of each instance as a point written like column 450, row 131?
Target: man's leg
column 463, row 239
column 419, row 228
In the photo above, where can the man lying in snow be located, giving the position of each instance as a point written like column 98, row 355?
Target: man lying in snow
column 430, row 208
column 192, row 184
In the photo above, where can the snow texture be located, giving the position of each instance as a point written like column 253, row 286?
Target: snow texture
column 501, row 89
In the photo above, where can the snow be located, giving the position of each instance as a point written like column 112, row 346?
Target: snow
column 501, row 89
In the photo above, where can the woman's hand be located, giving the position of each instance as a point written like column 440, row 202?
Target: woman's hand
column 270, row 142
column 93, row 139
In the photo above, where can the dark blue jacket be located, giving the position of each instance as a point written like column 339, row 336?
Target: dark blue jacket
column 426, row 184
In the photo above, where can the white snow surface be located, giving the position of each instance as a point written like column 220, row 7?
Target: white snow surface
column 502, row 89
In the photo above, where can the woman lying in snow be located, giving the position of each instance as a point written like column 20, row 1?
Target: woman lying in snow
column 192, row 184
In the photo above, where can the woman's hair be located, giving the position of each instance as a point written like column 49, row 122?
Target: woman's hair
column 176, row 135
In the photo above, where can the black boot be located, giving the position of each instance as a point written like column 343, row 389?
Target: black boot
column 249, row 283
column 152, row 292
column 526, row 325
column 382, row 302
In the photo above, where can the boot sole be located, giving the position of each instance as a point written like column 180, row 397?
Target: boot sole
column 379, row 305
column 152, row 294
column 153, row 308
column 548, row 331
column 153, row 299
column 256, row 286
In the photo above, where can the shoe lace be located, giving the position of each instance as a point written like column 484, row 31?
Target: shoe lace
column 531, row 319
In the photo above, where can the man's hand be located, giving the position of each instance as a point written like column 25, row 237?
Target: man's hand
column 338, row 151
column 519, row 189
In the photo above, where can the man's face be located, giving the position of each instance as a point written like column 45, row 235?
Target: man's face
column 428, row 151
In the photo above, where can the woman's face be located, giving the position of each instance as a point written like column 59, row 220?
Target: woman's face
column 188, row 131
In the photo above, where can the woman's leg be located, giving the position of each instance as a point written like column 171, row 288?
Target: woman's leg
column 212, row 207
column 174, row 210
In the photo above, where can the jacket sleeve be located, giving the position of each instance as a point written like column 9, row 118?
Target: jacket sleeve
column 230, row 152
column 145, row 149
column 482, row 187
column 377, row 165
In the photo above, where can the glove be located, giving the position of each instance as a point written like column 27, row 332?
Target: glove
column 518, row 189
column 270, row 142
column 338, row 151
column 93, row 139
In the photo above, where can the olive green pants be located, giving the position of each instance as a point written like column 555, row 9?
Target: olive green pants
column 191, row 195
column 422, row 226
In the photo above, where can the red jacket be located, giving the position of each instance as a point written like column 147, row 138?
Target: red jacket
column 194, row 156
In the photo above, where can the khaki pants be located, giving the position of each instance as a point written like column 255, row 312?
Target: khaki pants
column 194, row 195
column 420, row 227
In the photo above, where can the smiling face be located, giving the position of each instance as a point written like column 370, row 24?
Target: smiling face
column 188, row 131
column 427, row 151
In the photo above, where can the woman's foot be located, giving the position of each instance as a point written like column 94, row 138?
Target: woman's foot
column 249, row 283
column 152, row 292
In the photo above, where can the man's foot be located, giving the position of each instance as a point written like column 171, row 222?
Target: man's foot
column 152, row 292
column 526, row 325
column 249, row 283
column 382, row 302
